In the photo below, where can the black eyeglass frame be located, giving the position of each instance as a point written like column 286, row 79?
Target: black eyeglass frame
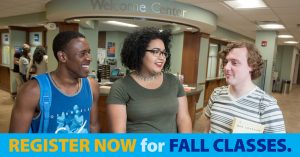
column 157, row 52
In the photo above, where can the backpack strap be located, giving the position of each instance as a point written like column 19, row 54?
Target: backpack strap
column 45, row 101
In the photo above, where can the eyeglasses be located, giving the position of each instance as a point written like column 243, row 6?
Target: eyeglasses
column 157, row 52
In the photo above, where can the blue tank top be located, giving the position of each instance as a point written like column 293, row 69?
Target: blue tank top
column 70, row 113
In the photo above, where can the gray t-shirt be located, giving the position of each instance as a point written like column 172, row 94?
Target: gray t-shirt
column 148, row 110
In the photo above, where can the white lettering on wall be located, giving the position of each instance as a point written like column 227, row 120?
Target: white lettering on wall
column 102, row 4
column 155, row 7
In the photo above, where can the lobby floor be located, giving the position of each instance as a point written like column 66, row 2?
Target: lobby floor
column 289, row 104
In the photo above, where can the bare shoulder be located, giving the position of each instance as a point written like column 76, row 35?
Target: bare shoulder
column 94, row 85
column 29, row 94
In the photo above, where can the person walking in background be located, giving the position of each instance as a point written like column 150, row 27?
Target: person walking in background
column 16, row 70
column 38, row 64
column 74, row 98
column 241, row 99
column 149, row 99
column 24, row 61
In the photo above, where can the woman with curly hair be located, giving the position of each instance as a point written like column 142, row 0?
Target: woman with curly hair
column 38, row 64
column 149, row 99
column 242, row 99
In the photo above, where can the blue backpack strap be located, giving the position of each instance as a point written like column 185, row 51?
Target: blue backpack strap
column 45, row 101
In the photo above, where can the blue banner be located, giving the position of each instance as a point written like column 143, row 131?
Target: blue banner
column 152, row 145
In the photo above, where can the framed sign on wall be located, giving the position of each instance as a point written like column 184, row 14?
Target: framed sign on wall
column 111, row 49
column 35, row 38
column 5, row 39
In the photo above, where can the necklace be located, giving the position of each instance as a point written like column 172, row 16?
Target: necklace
column 147, row 78
column 77, row 86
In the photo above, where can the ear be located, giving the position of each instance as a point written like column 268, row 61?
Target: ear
column 250, row 68
column 62, row 56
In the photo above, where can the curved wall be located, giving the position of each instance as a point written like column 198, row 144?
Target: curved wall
column 58, row 10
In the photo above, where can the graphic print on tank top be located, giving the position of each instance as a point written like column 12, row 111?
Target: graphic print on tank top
column 72, row 121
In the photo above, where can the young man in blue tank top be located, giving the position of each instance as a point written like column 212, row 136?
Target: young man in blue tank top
column 74, row 103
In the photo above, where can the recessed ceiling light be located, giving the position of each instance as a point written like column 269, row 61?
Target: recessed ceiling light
column 117, row 23
column 285, row 36
column 246, row 4
column 76, row 20
column 291, row 42
column 272, row 26
column 189, row 28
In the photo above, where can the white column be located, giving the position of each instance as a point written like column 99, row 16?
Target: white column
column 268, row 53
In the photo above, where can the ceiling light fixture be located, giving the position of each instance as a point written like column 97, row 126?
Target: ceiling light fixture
column 285, row 36
column 117, row 23
column 271, row 26
column 76, row 20
column 246, row 4
column 291, row 42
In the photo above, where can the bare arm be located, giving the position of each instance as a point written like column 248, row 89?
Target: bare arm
column 46, row 61
column 28, row 69
column 205, row 123
column 94, row 122
column 23, row 111
column 117, row 117
column 184, row 123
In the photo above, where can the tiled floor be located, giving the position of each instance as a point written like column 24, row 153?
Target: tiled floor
column 6, row 104
column 289, row 104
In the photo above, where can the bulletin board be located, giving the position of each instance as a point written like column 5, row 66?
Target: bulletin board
column 111, row 49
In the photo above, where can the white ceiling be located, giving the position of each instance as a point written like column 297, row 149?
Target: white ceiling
column 21, row 7
column 242, row 21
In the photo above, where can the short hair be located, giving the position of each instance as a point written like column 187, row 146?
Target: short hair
column 38, row 55
column 62, row 39
column 25, row 49
column 254, row 58
column 136, row 43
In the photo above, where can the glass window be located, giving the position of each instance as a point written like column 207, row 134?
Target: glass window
column 212, row 61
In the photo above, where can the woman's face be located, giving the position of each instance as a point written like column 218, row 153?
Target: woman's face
column 154, row 59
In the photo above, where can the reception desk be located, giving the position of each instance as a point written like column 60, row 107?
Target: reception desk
column 193, row 94
column 210, row 85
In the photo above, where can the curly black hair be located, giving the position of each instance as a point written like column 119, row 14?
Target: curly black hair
column 39, row 52
column 136, row 43
column 62, row 39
